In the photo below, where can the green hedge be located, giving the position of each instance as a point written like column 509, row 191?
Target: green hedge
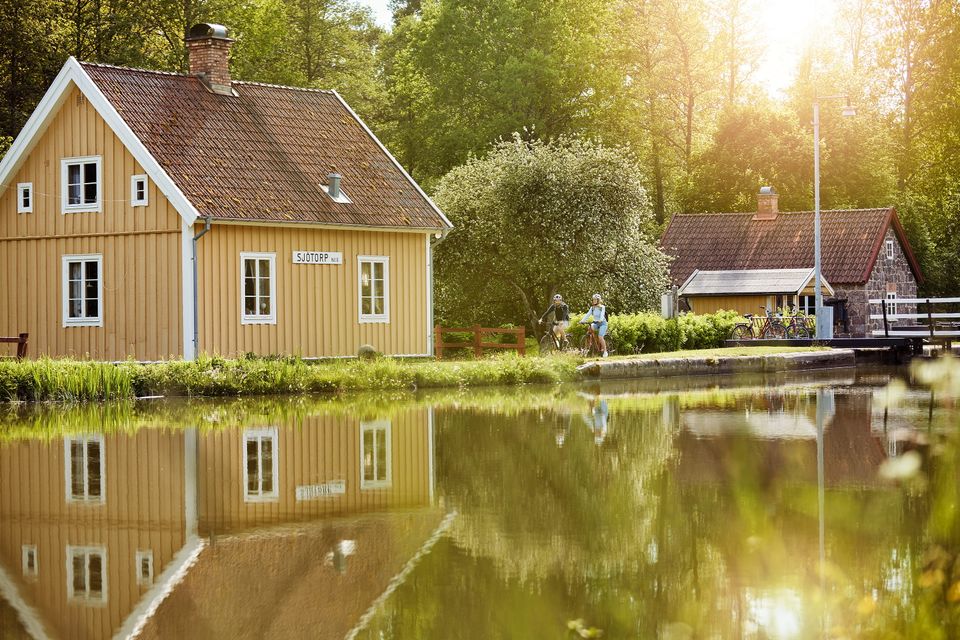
column 651, row 333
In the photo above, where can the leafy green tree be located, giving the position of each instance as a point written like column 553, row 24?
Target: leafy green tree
column 535, row 218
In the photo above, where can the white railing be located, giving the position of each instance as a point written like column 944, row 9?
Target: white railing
column 942, row 324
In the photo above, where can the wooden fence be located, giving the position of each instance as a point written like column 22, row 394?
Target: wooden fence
column 21, row 342
column 943, row 326
column 477, row 343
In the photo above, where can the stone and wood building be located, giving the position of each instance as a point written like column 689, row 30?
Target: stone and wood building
column 865, row 255
column 152, row 215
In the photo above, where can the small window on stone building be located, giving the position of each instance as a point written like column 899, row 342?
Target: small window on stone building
column 889, row 249
column 891, row 304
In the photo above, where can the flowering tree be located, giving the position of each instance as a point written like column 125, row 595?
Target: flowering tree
column 536, row 218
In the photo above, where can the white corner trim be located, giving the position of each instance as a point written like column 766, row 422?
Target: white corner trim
column 394, row 160
column 72, row 72
column 186, row 288
column 430, row 336
column 374, row 318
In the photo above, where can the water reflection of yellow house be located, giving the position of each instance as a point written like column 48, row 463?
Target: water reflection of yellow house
column 98, row 531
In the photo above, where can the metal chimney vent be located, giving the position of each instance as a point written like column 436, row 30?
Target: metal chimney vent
column 333, row 179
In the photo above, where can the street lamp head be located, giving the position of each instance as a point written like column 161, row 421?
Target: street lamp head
column 849, row 110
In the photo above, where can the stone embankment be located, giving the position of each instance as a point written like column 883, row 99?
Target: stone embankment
column 715, row 365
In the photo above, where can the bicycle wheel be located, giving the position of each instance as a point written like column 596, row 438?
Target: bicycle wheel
column 547, row 344
column 775, row 331
column 588, row 347
column 741, row 332
column 798, row 330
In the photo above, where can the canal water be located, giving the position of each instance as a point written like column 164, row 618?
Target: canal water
column 792, row 507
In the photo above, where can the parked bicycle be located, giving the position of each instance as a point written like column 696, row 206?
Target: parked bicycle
column 554, row 341
column 770, row 326
column 799, row 327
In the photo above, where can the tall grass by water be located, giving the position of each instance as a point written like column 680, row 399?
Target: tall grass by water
column 80, row 381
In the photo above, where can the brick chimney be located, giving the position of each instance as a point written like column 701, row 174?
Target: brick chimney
column 208, row 48
column 766, row 204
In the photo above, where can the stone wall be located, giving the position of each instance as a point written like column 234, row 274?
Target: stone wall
column 887, row 275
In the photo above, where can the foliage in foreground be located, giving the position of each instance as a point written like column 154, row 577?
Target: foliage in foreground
column 650, row 332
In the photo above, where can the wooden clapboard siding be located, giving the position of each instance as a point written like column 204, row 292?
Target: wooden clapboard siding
column 144, row 509
column 140, row 246
column 740, row 304
column 322, row 449
column 317, row 306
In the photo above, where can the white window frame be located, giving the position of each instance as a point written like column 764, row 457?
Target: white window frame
column 810, row 308
column 141, row 555
column 377, row 426
column 370, row 318
column 68, row 471
column 134, row 183
column 21, row 188
column 259, row 434
column 86, row 552
column 890, row 249
column 65, row 286
column 84, row 207
column 271, row 318
column 891, row 303
column 26, row 551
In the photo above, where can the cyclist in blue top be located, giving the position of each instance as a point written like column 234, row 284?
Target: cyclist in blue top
column 597, row 315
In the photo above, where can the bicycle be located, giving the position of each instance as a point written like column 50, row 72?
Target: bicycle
column 553, row 342
column 798, row 327
column 770, row 326
column 590, row 343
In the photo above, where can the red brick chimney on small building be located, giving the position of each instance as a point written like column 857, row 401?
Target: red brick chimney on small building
column 208, row 48
column 767, row 204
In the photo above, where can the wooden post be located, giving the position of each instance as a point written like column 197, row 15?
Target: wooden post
column 437, row 343
column 886, row 326
column 477, row 350
column 930, row 319
column 522, row 342
column 22, row 346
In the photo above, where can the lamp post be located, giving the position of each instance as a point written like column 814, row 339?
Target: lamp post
column 848, row 111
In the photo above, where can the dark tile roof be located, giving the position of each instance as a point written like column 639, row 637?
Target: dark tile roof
column 262, row 155
column 851, row 241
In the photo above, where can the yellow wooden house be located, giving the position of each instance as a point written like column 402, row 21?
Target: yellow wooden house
column 153, row 215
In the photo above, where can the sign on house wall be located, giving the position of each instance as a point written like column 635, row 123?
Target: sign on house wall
column 317, row 257
column 315, row 491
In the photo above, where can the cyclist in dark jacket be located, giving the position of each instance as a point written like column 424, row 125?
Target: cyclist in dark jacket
column 561, row 316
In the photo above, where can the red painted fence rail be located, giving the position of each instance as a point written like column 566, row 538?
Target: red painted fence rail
column 20, row 341
column 477, row 343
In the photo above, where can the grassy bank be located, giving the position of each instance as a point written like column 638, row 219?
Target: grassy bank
column 78, row 381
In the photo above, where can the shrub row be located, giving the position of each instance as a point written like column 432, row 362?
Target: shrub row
column 651, row 333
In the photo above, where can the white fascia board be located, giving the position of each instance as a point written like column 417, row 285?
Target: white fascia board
column 72, row 72
column 394, row 161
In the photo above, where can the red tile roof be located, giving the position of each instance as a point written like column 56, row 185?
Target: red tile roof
column 851, row 241
column 263, row 155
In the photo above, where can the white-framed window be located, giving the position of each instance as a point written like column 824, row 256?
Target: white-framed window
column 260, row 465
column 81, row 184
column 807, row 305
column 138, row 191
column 375, row 454
column 25, row 197
column 87, row 574
column 144, row 563
column 28, row 559
column 258, row 285
column 83, row 290
column 374, row 288
column 891, row 305
column 889, row 248
column 84, row 469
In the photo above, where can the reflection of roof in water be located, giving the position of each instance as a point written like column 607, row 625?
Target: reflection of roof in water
column 851, row 452
column 315, row 579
